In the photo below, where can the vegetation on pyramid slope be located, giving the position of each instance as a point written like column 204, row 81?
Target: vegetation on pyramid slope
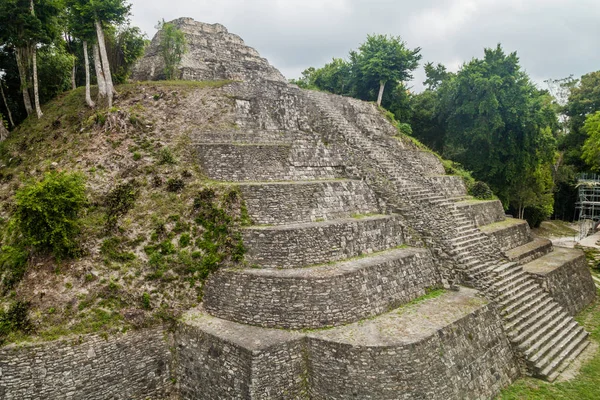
column 146, row 231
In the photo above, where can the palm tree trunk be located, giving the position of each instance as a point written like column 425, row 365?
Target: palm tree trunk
column 99, row 72
column 380, row 96
column 36, row 94
column 105, row 64
column 20, row 55
column 88, row 96
column 10, row 118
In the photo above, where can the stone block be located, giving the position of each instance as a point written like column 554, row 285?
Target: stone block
column 564, row 273
column 509, row 233
column 483, row 212
column 320, row 296
column 308, row 201
column 300, row 245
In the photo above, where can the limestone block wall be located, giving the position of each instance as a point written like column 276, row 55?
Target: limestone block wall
column 261, row 162
column 293, row 246
column 509, row 233
column 448, row 185
column 321, row 296
column 564, row 274
column 227, row 361
column 468, row 359
column 307, row 202
column 135, row 365
column 483, row 212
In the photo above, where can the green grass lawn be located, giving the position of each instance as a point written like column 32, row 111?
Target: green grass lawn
column 585, row 386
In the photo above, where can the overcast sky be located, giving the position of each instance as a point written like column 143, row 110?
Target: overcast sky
column 553, row 38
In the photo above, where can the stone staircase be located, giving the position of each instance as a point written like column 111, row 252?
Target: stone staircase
column 544, row 335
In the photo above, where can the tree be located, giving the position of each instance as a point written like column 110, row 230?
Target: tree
column 501, row 127
column 584, row 100
column 384, row 59
column 172, row 47
column 125, row 45
column 591, row 147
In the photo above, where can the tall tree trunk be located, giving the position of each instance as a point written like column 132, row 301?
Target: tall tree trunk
column 105, row 64
column 10, row 118
column 380, row 96
column 3, row 131
column 88, row 96
column 99, row 72
column 20, row 54
column 36, row 94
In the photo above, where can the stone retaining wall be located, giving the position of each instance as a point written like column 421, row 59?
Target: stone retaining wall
column 293, row 246
column 565, row 275
column 448, row 185
column 469, row 359
column 510, row 233
column 308, row 202
column 321, row 296
column 483, row 212
column 135, row 365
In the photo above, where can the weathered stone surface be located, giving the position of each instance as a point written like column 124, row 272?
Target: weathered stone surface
column 218, row 359
column 266, row 162
column 299, row 245
column 482, row 212
column 509, row 233
column 135, row 365
column 530, row 251
column 450, row 186
column 565, row 275
column 214, row 54
column 308, row 201
column 452, row 347
column 321, row 296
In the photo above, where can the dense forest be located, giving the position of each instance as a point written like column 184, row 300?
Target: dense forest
column 525, row 142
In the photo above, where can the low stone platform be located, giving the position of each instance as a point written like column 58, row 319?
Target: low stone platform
column 450, row 186
column 482, row 212
column 449, row 347
column 307, row 201
column 299, row 245
column 320, row 296
column 530, row 251
column 564, row 274
column 509, row 233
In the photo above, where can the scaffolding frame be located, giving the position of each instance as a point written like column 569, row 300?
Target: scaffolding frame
column 588, row 203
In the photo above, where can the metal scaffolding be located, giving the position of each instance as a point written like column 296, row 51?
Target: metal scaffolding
column 588, row 203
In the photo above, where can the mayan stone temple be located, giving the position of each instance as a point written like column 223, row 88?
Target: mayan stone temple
column 351, row 223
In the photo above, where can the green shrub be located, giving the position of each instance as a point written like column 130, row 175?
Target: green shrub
column 184, row 240
column 118, row 202
column 146, row 301
column 47, row 213
column 175, row 185
column 111, row 250
column 14, row 319
column 13, row 263
column 480, row 190
column 165, row 156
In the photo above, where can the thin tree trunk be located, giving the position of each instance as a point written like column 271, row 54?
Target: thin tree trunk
column 105, row 64
column 380, row 96
column 99, row 72
column 3, row 131
column 88, row 96
column 73, row 72
column 36, row 94
column 19, row 54
column 10, row 118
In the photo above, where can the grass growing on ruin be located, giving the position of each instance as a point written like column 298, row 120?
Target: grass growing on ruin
column 586, row 385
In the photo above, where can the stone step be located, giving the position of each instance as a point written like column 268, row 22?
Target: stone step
column 545, row 346
column 509, row 233
column 530, row 251
column 300, row 245
column 536, row 328
column 510, row 280
column 320, row 296
column 239, row 162
column 554, row 371
column 278, row 203
column 519, row 295
column 528, row 322
column 560, row 354
column 519, row 315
